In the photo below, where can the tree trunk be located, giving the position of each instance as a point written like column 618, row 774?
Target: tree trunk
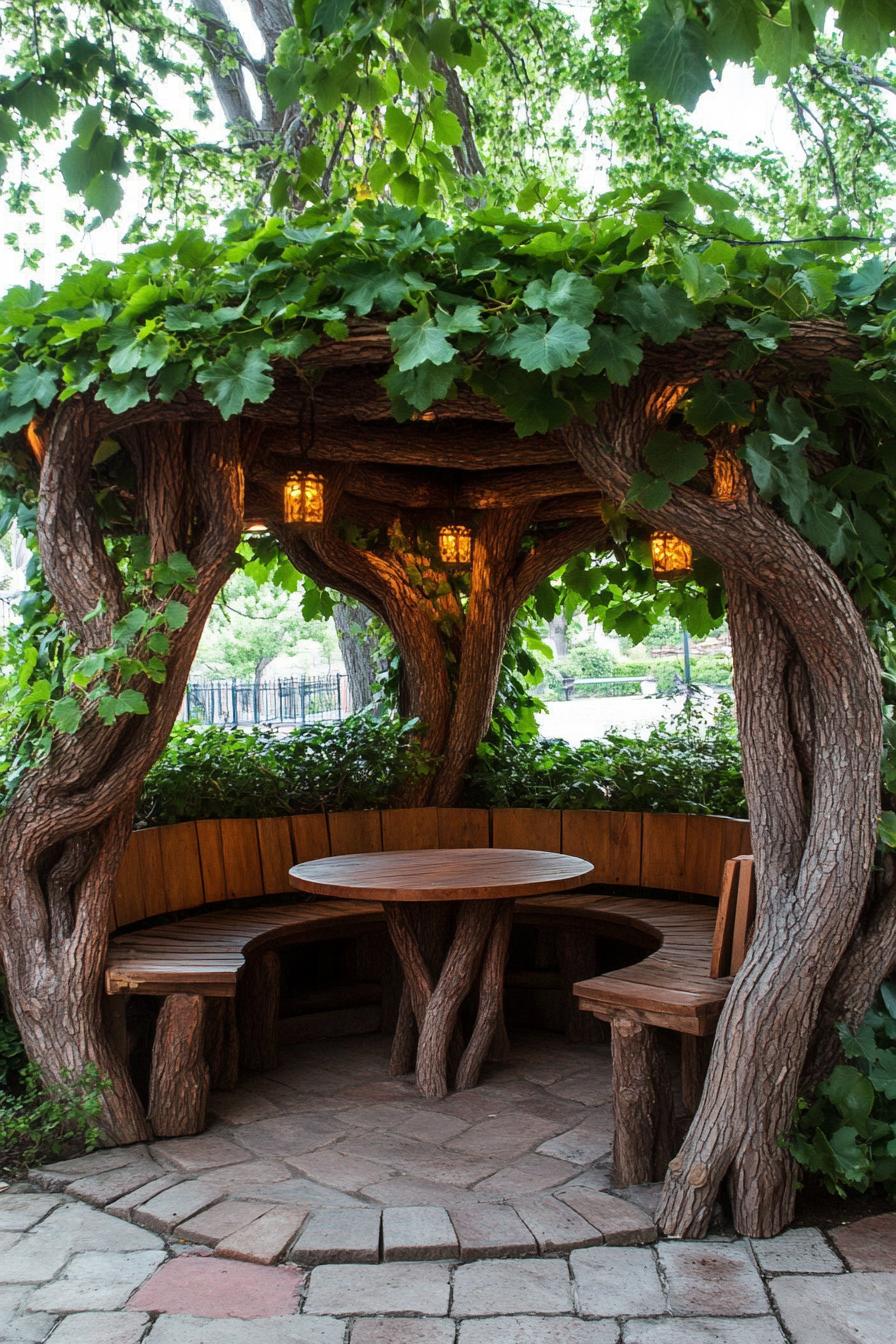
column 358, row 651
column 813, row 856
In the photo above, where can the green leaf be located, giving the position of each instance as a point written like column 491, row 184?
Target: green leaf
column 37, row 102
column 418, row 339
column 421, row 386
column 104, row 193
column 668, row 55
column 851, row 1092
column 648, row 491
column 887, row 829
column 660, row 312
column 132, row 702
column 615, row 351
column 701, row 281
column 241, row 376
column 406, row 188
column 330, row 15
column 673, row 458
column 866, row 25
column 713, row 402
column 370, row 284
column 534, row 345
column 175, row 615
column 66, row 714
column 447, row 130
column 568, row 295
column 29, row 384
column 399, row 127
column 733, row 31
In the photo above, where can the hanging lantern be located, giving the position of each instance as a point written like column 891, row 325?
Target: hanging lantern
column 455, row 545
column 729, row 481
column 303, row 498
column 426, row 416
column 671, row 556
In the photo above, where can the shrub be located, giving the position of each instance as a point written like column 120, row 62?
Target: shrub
column 230, row 772
column 846, row 1133
column 691, row 764
column 40, row 1121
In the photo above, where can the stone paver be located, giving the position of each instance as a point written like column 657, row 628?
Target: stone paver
column 621, row 1223
column 399, row 1331
column 19, row 1212
column 350, row 1236
column 266, row 1238
column 221, row 1220
column 199, row 1153
column 272, row 1330
column 706, row 1330
column 78, row 1227
column 379, row 1290
column 418, row 1233
column 96, row 1281
column 31, row 1261
column 799, row 1250
column 25, row 1329
column 502, row 1287
column 58, row 1175
column 712, row 1279
column 107, row 1186
column 101, row 1327
column 869, row 1244
column 124, row 1206
column 554, row 1225
column 844, row 1309
column 617, row 1281
column 206, row 1286
column 537, row 1330
column 176, row 1204
column 586, row 1142
column 491, row 1229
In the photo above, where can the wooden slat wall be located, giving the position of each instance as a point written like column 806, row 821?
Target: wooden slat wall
column 172, row 868
column 355, row 832
column 410, row 828
column 463, row 828
column 609, row 840
column 276, row 852
column 310, row 837
column 526, row 828
column 242, row 858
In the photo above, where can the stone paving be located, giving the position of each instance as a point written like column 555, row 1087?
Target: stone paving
column 71, row 1274
column 329, row 1159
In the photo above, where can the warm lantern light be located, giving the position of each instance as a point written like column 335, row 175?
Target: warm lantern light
column 671, row 556
column 455, row 544
column 34, row 441
column 729, row 481
column 303, row 498
column 427, row 416
column 256, row 527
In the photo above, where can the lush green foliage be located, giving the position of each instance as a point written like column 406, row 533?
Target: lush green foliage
column 689, row 765
column 222, row 772
column 846, row 1133
column 40, row 1122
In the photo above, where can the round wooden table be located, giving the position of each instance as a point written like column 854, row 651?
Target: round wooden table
column 449, row 913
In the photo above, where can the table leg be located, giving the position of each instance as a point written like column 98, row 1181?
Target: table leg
column 474, row 924
column 490, row 1013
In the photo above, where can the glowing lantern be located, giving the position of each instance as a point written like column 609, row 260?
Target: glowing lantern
column 303, row 498
column 729, row 481
column 671, row 556
column 426, row 416
column 35, row 442
column 455, row 544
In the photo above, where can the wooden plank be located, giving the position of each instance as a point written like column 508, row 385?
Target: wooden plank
column 720, row 959
column 355, row 832
column 150, row 873
column 181, row 867
column 463, row 828
column 442, row 875
column 310, row 836
column 664, row 850
column 745, row 913
column 609, row 840
column 410, row 828
column 526, row 828
column 211, row 858
column 128, row 902
column 242, row 861
column 275, row 849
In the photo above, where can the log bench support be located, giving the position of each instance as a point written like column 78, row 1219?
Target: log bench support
column 179, row 1076
column 642, row 1104
column 258, row 1012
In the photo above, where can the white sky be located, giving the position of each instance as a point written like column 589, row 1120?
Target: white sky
column 739, row 110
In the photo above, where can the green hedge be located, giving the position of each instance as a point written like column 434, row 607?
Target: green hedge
column 689, row 765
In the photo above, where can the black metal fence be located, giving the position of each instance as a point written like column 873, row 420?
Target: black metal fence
column 289, row 700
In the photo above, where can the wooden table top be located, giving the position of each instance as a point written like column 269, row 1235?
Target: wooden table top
column 442, row 874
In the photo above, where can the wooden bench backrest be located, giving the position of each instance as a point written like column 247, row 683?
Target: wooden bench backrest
column 168, row 869
column 737, row 913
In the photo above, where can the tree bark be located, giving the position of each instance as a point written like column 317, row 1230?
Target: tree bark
column 357, row 651
column 642, row 1104
column 179, row 1077
column 812, row 861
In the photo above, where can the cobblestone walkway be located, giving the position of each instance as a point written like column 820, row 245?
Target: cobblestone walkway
column 328, row 1158
column 71, row 1274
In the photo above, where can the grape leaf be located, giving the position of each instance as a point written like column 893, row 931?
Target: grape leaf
column 241, row 376
column 673, row 458
column 535, row 345
column 669, row 56
column 719, row 403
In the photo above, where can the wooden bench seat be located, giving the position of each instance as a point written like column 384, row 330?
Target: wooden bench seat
column 218, row 973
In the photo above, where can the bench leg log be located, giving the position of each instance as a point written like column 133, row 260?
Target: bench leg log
column 222, row 1044
column 643, row 1141
column 695, row 1052
column 178, row 1083
column 258, row 1012
column 489, row 1029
